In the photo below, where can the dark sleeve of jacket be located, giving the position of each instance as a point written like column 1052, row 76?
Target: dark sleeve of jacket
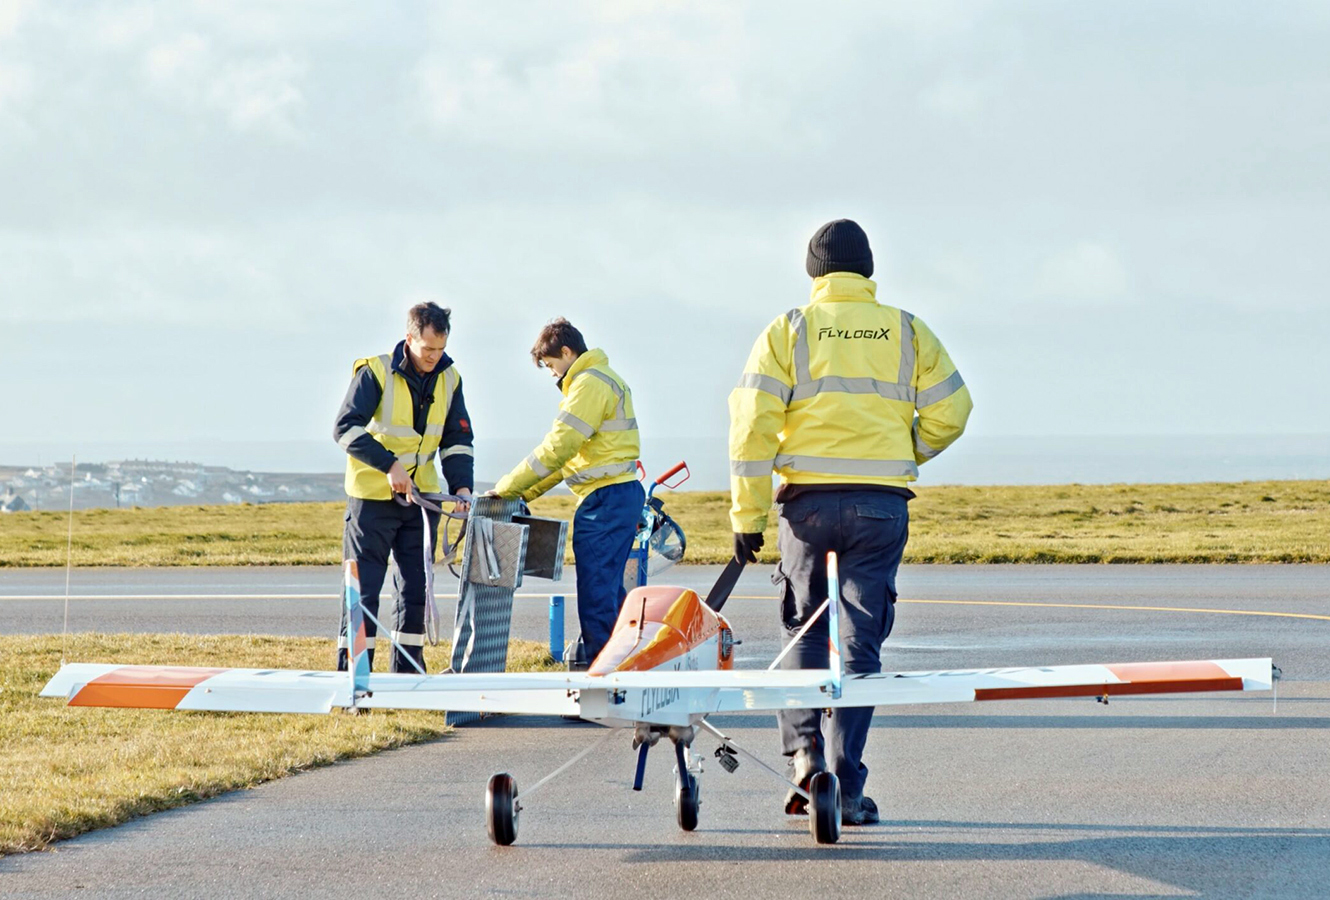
column 456, row 455
column 362, row 398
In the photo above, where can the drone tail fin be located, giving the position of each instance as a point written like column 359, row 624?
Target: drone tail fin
column 358, row 652
column 835, row 661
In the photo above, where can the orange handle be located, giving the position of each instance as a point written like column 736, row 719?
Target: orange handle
column 682, row 466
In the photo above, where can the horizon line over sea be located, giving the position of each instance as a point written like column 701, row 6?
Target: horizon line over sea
column 974, row 460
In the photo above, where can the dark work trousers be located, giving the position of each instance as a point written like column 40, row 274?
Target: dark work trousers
column 603, row 530
column 375, row 528
column 868, row 530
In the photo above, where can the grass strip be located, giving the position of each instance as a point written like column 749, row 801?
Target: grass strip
column 64, row 771
column 1243, row 522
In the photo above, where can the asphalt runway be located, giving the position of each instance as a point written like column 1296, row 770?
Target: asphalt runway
column 1192, row 795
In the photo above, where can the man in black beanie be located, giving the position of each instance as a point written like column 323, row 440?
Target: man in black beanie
column 843, row 398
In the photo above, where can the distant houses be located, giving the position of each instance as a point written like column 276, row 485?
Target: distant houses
column 147, row 483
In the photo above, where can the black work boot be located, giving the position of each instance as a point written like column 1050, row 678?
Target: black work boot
column 858, row 811
column 807, row 761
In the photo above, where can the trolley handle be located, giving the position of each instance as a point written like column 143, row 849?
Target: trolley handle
column 681, row 466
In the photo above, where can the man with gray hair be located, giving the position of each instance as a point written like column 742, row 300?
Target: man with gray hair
column 401, row 409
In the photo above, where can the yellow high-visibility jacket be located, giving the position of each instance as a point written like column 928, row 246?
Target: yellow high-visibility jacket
column 593, row 442
column 393, row 426
column 845, row 390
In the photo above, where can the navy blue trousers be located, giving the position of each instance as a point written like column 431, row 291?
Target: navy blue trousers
column 868, row 531
column 375, row 529
column 603, row 530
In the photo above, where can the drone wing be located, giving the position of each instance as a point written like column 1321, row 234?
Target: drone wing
column 654, row 696
column 296, row 691
column 964, row 685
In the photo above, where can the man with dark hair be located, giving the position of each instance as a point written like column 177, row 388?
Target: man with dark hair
column 843, row 398
column 593, row 446
column 401, row 409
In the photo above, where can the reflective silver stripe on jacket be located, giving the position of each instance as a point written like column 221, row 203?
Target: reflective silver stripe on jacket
column 767, row 384
column 605, row 471
column 833, row 465
column 887, row 389
column 407, row 639
column 573, row 422
column 920, row 446
column 541, row 470
column 384, row 425
column 800, row 326
column 617, row 422
column 940, row 391
column 352, row 433
column 751, row 468
column 458, row 450
column 906, row 375
column 415, row 460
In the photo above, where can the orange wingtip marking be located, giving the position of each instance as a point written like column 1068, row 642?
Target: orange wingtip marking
column 1167, row 671
column 142, row 687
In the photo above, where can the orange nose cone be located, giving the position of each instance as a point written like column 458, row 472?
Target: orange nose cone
column 655, row 626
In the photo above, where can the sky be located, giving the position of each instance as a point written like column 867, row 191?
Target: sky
column 1113, row 215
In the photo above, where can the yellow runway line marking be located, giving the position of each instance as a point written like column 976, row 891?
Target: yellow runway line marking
column 1183, row 609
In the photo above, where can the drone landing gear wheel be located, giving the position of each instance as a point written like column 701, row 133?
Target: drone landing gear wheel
column 824, row 808
column 502, row 809
column 687, row 801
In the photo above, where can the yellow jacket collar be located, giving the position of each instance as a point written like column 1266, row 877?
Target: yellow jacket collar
column 842, row 286
column 593, row 357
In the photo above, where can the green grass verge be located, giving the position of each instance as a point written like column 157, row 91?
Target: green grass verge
column 1259, row 521
column 66, row 770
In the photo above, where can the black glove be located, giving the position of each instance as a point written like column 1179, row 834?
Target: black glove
column 747, row 545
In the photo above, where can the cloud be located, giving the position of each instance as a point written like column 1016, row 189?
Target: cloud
column 653, row 170
column 261, row 95
column 15, row 84
column 1087, row 271
column 122, row 26
column 11, row 16
column 955, row 97
column 183, row 56
column 638, row 79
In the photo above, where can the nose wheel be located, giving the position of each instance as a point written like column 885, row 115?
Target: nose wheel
column 686, row 800
column 502, row 809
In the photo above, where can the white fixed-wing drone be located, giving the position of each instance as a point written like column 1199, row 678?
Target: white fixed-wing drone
column 667, row 667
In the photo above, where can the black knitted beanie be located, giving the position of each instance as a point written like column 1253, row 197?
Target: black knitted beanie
column 840, row 246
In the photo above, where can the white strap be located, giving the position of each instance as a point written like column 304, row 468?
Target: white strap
column 433, row 620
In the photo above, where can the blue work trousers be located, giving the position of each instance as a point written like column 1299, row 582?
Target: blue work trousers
column 868, row 531
column 603, row 530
